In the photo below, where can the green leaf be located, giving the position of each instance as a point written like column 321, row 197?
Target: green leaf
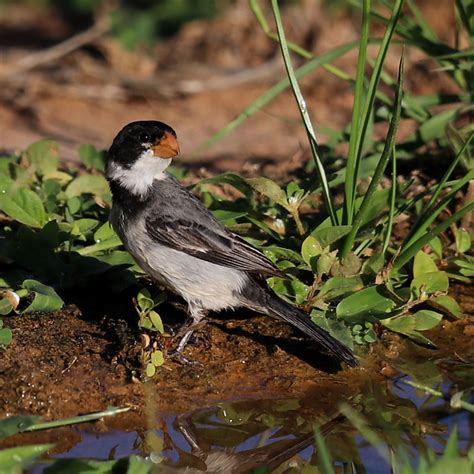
column 406, row 325
column 83, row 226
column 403, row 324
column 430, row 283
column 437, row 247
column 157, row 358
column 446, row 304
column 328, row 235
column 150, row 370
column 365, row 305
column 325, row 261
column 145, row 301
column 463, row 241
column 156, row 321
column 15, row 424
column 225, row 216
column 42, row 157
column 104, row 232
column 91, row 157
column 339, row 286
column 310, row 249
column 422, row 264
column 13, row 460
column 426, row 319
column 6, row 336
column 46, row 299
column 88, row 184
column 24, row 206
column 348, row 266
column 269, row 188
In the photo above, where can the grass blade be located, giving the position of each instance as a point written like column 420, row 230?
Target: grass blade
column 77, row 419
column 429, row 213
column 411, row 251
column 351, row 176
column 381, row 165
column 393, row 194
column 273, row 92
column 304, row 113
column 372, row 90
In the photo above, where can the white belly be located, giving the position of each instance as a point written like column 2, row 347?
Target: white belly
column 213, row 287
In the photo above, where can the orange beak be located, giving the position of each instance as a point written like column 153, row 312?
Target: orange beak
column 167, row 147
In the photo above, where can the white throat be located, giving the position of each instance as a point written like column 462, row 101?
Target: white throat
column 139, row 178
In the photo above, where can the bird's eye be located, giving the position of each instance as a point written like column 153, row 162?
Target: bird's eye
column 145, row 138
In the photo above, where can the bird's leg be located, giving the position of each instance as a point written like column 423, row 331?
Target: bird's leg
column 195, row 321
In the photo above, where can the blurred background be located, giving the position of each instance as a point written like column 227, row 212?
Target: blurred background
column 78, row 70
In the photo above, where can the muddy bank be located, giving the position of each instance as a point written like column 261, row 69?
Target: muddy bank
column 72, row 361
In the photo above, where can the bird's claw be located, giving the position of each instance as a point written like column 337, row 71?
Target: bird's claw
column 179, row 357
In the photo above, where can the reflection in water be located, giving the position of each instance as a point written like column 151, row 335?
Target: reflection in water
column 276, row 435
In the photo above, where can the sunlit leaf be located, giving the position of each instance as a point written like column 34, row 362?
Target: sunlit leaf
column 463, row 241
column 311, row 248
column 328, row 235
column 426, row 319
column 88, row 184
column 157, row 358
column 25, row 206
column 42, row 157
column 446, row 303
column 430, row 282
column 365, row 305
column 423, row 263
column 339, row 286
column 270, row 189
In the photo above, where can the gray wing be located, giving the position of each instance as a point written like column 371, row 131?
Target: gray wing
column 210, row 241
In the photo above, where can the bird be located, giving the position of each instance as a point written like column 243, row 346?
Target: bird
column 176, row 240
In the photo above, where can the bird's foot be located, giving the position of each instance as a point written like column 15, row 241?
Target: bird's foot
column 179, row 357
column 177, row 354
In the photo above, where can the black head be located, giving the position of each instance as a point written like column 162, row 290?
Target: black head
column 138, row 137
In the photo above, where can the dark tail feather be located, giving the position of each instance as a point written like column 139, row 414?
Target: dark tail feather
column 280, row 309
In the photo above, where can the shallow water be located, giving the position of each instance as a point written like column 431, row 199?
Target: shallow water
column 244, row 435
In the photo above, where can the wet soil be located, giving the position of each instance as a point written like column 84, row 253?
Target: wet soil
column 71, row 361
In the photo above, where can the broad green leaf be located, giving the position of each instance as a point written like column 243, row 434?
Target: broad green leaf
column 150, row 370
column 292, row 289
column 46, row 299
column 463, row 241
column 88, row 184
column 15, row 424
column 83, row 226
column 339, row 286
column 422, row 264
column 328, row 235
column 426, row 319
column 91, row 157
column 348, row 266
column 24, row 206
column 6, row 336
column 310, row 249
column 430, row 283
column 374, row 264
column 145, row 301
column 365, row 305
column 104, row 232
column 402, row 324
column 157, row 358
column 270, row 189
column 5, row 184
column 445, row 303
column 325, row 261
column 156, row 321
column 42, row 157
column 335, row 327
column 437, row 247
column 15, row 460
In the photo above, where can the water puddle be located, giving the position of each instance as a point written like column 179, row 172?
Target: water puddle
column 275, row 435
